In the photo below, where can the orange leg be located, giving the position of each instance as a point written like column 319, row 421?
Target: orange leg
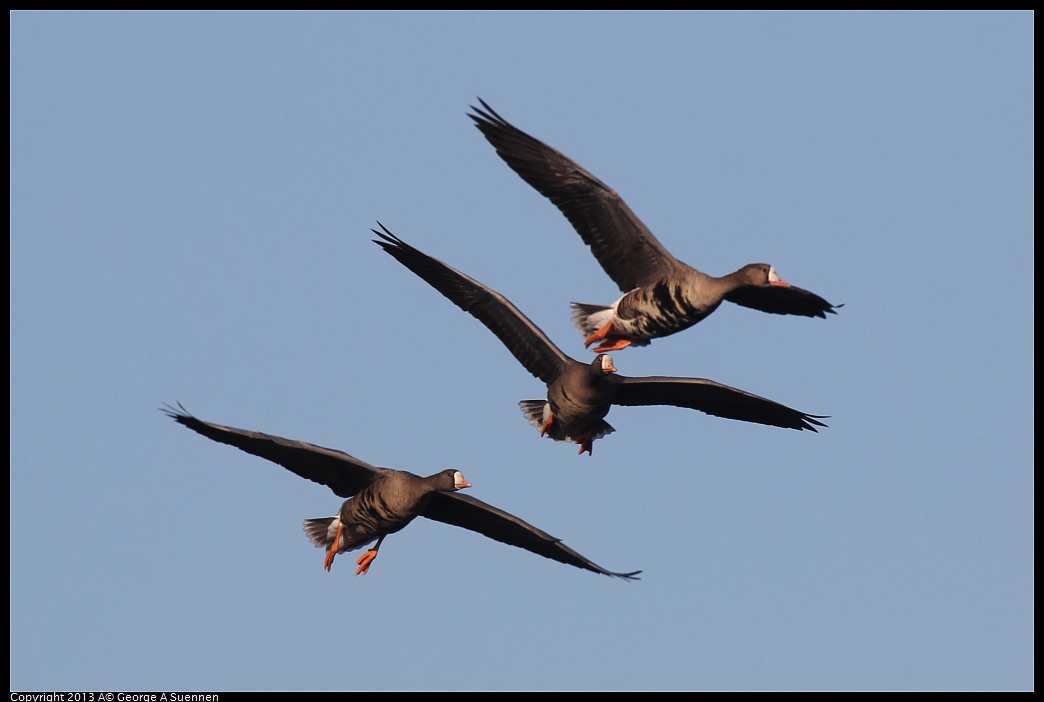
column 599, row 335
column 546, row 429
column 332, row 551
column 367, row 558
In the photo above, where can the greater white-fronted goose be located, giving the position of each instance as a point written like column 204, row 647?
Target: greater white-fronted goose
column 579, row 395
column 382, row 501
column 662, row 295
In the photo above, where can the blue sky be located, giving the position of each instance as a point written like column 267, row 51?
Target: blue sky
column 191, row 200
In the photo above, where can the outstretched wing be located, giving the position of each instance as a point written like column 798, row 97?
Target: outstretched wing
column 467, row 512
column 623, row 245
column 523, row 339
column 778, row 300
column 713, row 398
column 344, row 474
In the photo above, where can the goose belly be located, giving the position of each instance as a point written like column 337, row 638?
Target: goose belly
column 659, row 309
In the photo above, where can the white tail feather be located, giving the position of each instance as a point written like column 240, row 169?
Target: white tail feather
column 590, row 318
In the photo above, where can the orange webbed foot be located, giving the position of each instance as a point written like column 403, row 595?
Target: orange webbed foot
column 615, row 346
column 586, row 441
column 364, row 561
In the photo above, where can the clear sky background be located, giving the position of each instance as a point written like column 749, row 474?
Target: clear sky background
column 191, row 203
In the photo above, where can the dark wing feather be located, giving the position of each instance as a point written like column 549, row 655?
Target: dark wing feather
column 344, row 474
column 712, row 398
column 792, row 300
column 623, row 245
column 469, row 513
column 523, row 339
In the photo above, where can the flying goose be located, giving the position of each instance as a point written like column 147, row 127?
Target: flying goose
column 579, row 395
column 662, row 295
column 382, row 501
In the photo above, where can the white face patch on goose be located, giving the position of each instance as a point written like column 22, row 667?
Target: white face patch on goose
column 774, row 279
column 607, row 364
column 459, row 482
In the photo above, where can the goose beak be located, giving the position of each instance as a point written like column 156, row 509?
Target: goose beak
column 776, row 281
